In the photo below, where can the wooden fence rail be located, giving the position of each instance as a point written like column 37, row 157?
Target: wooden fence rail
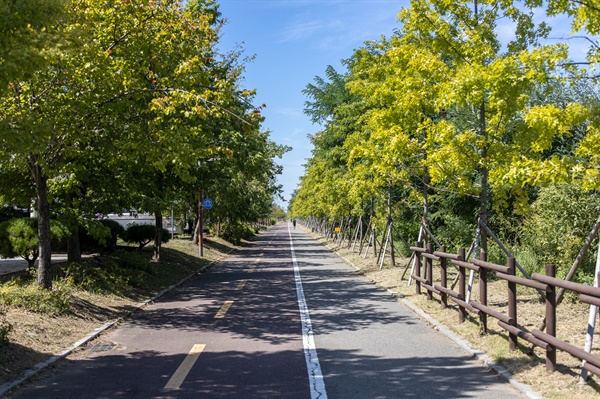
column 548, row 284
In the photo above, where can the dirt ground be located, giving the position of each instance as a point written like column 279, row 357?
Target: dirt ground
column 526, row 364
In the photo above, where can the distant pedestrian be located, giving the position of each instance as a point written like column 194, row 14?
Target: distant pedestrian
column 294, row 223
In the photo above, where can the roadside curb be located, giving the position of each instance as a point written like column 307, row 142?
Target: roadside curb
column 479, row 355
column 7, row 387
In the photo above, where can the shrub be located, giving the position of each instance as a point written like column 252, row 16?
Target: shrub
column 96, row 235
column 19, row 237
column 36, row 299
column 561, row 219
column 95, row 277
column 116, row 231
column 5, row 327
column 142, row 234
column 236, row 231
column 120, row 272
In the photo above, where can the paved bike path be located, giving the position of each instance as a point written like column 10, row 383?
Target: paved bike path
column 372, row 346
column 235, row 332
column 253, row 350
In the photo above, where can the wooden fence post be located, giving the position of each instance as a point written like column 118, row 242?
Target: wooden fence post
column 483, row 292
column 551, row 319
column 512, row 302
column 417, row 269
column 443, row 278
column 461, row 285
column 429, row 271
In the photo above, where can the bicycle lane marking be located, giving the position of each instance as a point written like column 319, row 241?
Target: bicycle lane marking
column 185, row 367
column 315, row 375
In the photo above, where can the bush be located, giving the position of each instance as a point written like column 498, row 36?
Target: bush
column 235, row 232
column 5, row 327
column 97, row 278
column 36, row 299
column 116, row 231
column 19, row 237
column 117, row 274
column 528, row 260
column 97, row 235
column 561, row 219
column 142, row 234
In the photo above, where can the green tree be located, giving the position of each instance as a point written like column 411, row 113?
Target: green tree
column 325, row 186
column 493, row 131
column 27, row 38
column 131, row 92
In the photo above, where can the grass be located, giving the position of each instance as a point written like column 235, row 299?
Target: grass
column 527, row 365
column 88, row 294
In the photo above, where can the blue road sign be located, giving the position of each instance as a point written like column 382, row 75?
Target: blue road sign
column 207, row 203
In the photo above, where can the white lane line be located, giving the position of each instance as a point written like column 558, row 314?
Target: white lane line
column 185, row 367
column 315, row 375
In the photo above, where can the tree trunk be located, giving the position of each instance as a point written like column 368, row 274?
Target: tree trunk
column 390, row 224
column 483, row 216
column 44, row 278
column 31, row 261
column 373, row 231
column 158, row 235
column 195, row 233
column 74, row 247
column 426, row 179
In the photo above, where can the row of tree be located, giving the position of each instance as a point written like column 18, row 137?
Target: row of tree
column 111, row 105
column 449, row 122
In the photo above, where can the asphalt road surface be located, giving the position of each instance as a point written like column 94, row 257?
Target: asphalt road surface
column 283, row 318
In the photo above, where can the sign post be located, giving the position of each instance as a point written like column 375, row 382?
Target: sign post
column 200, row 226
column 203, row 203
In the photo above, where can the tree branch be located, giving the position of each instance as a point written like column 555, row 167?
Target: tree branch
column 206, row 102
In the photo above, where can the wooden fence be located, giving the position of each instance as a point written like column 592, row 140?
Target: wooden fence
column 546, row 284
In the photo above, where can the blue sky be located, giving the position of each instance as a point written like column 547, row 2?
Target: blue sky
column 294, row 41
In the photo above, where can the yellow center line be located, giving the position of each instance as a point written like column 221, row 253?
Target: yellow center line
column 251, row 270
column 221, row 313
column 241, row 284
column 257, row 260
column 185, row 367
column 261, row 254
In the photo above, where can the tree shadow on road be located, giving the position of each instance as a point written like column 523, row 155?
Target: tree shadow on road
column 281, row 374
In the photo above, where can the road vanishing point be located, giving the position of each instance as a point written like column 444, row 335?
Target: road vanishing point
column 283, row 317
